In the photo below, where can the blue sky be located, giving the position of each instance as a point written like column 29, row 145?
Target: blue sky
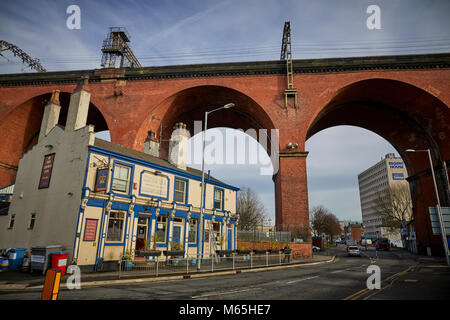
column 184, row 32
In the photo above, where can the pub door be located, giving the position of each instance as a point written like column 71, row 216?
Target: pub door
column 142, row 234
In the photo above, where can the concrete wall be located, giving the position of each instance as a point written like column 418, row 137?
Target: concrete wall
column 57, row 206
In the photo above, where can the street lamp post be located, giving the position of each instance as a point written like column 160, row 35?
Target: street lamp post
column 202, row 201
column 441, row 220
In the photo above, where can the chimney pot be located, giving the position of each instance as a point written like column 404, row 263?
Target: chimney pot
column 178, row 146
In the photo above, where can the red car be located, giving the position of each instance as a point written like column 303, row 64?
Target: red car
column 383, row 244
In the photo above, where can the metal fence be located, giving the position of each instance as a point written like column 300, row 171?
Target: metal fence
column 258, row 235
column 159, row 266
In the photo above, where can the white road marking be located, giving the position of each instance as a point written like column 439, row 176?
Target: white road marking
column 337, row 271
column 223, row 293
column 303, row 279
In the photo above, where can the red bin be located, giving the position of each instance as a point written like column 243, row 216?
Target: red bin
column 59, row 261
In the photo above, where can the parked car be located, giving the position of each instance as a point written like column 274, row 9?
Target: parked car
column 354, row 251
column 315, row 249
column 383, row 244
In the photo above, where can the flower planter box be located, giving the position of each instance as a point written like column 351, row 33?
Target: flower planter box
column 148, row 253
column 174, row 253
column 259, row 251
column 274, row 251
column 243, row 251
column 222, row 253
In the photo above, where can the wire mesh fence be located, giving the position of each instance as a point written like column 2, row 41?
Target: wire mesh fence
column 159, row 266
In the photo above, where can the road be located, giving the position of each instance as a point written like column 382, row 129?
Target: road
column 343, row 279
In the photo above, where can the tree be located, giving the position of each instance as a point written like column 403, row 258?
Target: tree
column 394, row 206
column 318, row 220
column 251, row 210
column 324, row 222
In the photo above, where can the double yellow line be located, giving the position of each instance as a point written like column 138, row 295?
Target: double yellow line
column 362, row 293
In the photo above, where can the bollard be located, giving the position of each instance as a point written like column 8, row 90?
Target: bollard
column 233, row 254
column 51, row 285
column 187, row 263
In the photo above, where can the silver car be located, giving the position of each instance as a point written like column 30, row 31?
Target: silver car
column 354, row 251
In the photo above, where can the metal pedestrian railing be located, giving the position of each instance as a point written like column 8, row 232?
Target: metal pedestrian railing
column 159, row 266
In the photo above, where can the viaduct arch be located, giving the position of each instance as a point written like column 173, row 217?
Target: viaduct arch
column 404, row 99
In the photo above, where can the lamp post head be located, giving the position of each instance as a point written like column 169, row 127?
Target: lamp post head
column 229, row 105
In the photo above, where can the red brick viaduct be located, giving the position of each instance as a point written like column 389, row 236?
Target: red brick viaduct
column 405, row 99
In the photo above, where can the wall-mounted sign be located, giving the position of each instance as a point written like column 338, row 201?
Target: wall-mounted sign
column 395, row 164
column 46, row 172
column 398, row 176
column 154, row 185
column 90, row 229
column 101, row 180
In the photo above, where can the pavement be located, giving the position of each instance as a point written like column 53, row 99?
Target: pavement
column 18, row 280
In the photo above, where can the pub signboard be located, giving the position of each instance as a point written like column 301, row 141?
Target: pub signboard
column 46, row 173
column 101, row 179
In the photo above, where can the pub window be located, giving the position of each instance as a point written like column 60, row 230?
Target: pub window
column 216, row 229
column 121, row 178
column 192, row 231
column 115, row 226
column 32, row 221
column 161, row 229
column 180, row 191
column 11, row 221
column 218, row 196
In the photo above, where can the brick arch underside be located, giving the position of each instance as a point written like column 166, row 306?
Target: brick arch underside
column 190, row 105
column 20, row 130
column 409, row 118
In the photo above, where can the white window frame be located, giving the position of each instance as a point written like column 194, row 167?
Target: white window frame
column 121, row 179
column 184, row 182
column 221, row 191
column 122, row 218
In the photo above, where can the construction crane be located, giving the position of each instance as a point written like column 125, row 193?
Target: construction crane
column 115, row 47
column 32, row 63
column 286, row 54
